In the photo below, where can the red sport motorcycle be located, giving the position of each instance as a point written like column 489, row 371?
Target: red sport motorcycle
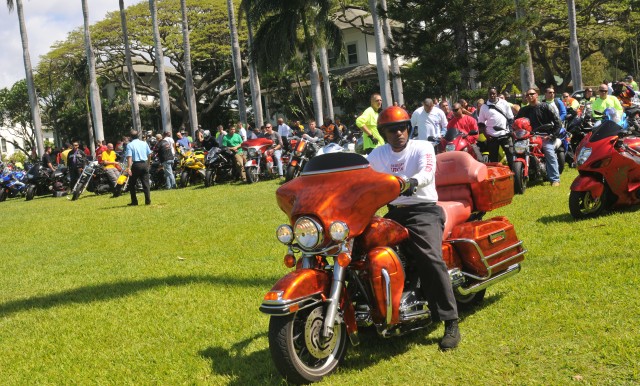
column 456, row 140
column 529, row 163
column 350, row 269
column 608, row 161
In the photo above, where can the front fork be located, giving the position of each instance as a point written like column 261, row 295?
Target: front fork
column 334, row 299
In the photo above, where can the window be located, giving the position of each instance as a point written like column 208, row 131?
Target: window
column 352, row 53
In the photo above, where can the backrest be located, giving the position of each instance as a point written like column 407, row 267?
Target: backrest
column 455, row 172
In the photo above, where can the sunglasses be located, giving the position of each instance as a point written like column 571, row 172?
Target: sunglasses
column 394, row 129
column 531, row 94
column 603, row 90
column 378, row 100
column 456, row 109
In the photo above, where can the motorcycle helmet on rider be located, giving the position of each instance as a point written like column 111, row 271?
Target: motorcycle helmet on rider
column 393, row 117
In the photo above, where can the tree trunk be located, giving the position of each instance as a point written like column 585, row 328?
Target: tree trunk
column 133, row 97
column 527, row 79
column 574, row 48
column 254, row 80
column 191, row 95
column 381, row 57
column 94, row 91
column 396, row 79
column 165, row 103
column 237, row 64
column 326, row 82
column 33, row 97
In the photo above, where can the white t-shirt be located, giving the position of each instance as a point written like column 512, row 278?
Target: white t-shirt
column 430, row 124
column 284, row 130
column 495, row 122
column 417, row 160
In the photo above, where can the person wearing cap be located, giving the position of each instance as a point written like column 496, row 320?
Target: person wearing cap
column 416, row 209
column 629, row 80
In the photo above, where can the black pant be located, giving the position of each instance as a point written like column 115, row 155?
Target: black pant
column 506, row 142
column 140, row 171
column 285, row 143
column 425, row 223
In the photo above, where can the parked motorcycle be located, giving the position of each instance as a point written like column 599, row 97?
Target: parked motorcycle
column 303, row 151
column 529, row 164
column 221, row 166
column 191, row 165
column 350, row 269
column 456, row 140
column 577, row 129
column 94, row 179
column 608, row 164
column 260, row 162
column 42, row 181
column 12, row 183
column 157, row 180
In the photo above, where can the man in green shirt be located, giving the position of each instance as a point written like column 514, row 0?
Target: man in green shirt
column 604, row 101
column 368, row 123
column 629, row 80
column 233, row 140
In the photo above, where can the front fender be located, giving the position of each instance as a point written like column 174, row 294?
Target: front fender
column 588, row 184
column 250, row 163
column 297, row 290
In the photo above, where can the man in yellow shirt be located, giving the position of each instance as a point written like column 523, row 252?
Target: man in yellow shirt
column 604, row 101
column 368, row 123
column 65, row 153
column 109, row 163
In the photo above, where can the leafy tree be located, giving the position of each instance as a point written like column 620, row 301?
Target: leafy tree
column 15, row 116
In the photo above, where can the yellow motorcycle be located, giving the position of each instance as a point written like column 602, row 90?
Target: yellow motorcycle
column 192, row 166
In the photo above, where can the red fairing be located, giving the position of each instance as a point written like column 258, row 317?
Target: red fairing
column 588, row 184
column 385, row 258
column 303, row 283
column 257, row 142
column 381, row 232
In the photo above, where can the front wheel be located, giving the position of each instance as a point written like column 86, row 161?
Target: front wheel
column 208, row 178
column 252, row 174
column 291, row 173
column 299, row 351
column 561, row 161
column 582, row 205
column 3, row 195
column 184, row 179
column 31, row 192
column 519, row 179
column 117, row 191
column 76, row 194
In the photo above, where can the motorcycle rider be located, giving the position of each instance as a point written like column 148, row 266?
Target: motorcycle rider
column 496, row 116
column 108, row 160
column 555, row 103
column 284, row 131
column 276, row 147
column 603, row 101
column 331, row 132
column 466, row 124
column 541, row 114
column 75, row 163
column 232, row 140
column 416, row 209
column 46, row 159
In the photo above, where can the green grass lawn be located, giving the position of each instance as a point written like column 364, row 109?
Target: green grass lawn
column 95, row 292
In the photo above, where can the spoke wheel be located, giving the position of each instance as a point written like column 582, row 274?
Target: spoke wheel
column 298, row 349
column 252, row 174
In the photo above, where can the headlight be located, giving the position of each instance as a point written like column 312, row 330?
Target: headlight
column 308, row 233
column 450, row 147
column 584, row 154
column 284, row 233
column 339, row 231
column 521, row 146
column 253, row 152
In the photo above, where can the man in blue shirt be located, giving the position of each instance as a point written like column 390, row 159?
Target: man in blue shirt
column 138, row 155
column 183, row 140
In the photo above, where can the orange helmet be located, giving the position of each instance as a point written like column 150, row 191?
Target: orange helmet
column 393, row 116
column 522, row 124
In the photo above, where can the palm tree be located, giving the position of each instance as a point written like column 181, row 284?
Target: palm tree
column 381, row 56
column 277, row 39
column 574, row 48
column 254, row 79
column 133, row 98
column 237, row 63
column 165, row 107
column 326, row 83
column 94, row 91
column 33, row 97
column 527, row 79
column 396, row 79
column 189, row 90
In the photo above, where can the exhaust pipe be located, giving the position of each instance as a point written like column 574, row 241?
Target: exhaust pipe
column 514, row 269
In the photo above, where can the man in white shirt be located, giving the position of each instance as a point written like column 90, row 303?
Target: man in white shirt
column 241, row 130
column 430, row 120
column 284, row 131
column 495, row 116
column 416, row 209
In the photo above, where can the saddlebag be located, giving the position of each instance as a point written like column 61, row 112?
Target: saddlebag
column 494, row 191
column 486, row 247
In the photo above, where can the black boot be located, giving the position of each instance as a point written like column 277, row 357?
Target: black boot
column 451, row 336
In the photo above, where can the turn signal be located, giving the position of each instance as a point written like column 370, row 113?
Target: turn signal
column 289, row 261
column 344, row 259
column 273, row 295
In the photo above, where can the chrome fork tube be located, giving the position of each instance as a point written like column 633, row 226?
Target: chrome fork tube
column 334, row 300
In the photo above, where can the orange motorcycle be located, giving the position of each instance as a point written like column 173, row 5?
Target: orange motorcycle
column 350, row 269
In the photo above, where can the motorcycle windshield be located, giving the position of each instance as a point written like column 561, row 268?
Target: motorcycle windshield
column 338, row 187
column 605, row 130
column 451, row 134
column 257, row 142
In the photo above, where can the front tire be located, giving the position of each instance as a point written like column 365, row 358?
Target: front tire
column 298, row 350
column 291, row 173
column 252, row 174
column 184, row 179
column 583, row 206
column 31, row 192
column 561, row 161
column 3, row 195
column 208, row 178
column 76, row 194
column 519, row 179
column 117, row 191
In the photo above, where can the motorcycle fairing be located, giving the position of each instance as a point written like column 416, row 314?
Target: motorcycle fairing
column 297, row 290
column 381, row 232
column 588, row 183
column 379, row 260
column 250, row 163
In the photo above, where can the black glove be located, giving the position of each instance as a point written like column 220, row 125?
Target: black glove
column 374, row 140
column 410, row 188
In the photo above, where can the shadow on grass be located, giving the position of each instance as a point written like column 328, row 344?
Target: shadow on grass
column 565, row 217
column 100, row 292
column 241, row 367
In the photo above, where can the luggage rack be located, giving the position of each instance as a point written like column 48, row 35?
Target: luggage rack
column 485, row 259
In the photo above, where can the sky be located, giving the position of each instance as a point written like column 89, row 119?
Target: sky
column 47, row 21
